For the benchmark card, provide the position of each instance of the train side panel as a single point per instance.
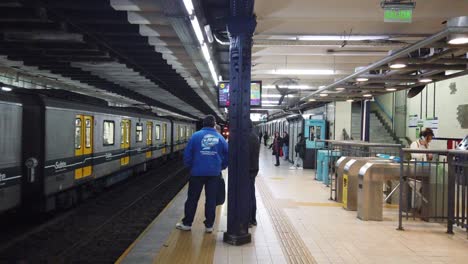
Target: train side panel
(10, 154)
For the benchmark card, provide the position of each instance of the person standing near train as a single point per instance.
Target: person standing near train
(206, 155)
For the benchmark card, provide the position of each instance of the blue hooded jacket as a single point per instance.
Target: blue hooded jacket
(206, 153)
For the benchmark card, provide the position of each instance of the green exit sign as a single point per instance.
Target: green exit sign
(398, 15)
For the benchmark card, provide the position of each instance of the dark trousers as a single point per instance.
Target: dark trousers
(253, 200)
(196, 184)
(265, 142)
(277, 157)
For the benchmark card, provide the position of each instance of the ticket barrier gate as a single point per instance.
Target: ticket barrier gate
(339, 169)
(323, 159)
(371, 178)
(426, 191)
(350, 180)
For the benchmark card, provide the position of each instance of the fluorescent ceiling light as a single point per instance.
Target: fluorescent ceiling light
(197, 29)
(362, 79)
(275, 95)
(425, 80)
(287, 86)
(341, 38)
(189, 6)
(206, 52)
(391, 89)
(350, 100)
(450, 72)
(397, 65)
(269, 102)
(340, 88)
(214, 75)
(302, 72)
(367, 95)
(312, 100)
(6, 89)
(323, 94)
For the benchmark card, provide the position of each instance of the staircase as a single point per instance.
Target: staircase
(380, 132)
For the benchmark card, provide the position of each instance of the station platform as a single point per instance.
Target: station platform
(297, 223)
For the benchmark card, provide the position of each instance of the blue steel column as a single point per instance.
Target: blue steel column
(241, 27)
(365, 121)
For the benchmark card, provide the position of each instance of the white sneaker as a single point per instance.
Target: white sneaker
(293, 168)
(209, 229)
(181, 226)
(300, 168)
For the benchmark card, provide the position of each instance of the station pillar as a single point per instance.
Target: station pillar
(365, 120)
(241, 27)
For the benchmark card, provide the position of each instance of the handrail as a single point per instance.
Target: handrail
(435, 151)
(380, 106)
(359, 143)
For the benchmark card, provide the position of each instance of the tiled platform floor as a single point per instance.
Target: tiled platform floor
(298, 224)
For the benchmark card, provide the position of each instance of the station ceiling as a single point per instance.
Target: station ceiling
(145, 52)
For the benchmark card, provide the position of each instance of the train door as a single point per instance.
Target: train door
(125, 141)
(83, 144)
(164, 138)
(149, 138)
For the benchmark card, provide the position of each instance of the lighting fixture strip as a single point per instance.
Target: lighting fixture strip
(201, 40)
(420, 44)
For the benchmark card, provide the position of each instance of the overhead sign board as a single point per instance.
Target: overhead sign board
(398, 15)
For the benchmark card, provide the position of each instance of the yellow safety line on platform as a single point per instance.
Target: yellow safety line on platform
(318, 204)
(196, 246)
(127, 251)
(293, 247)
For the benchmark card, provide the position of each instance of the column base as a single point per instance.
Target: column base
(237, 240)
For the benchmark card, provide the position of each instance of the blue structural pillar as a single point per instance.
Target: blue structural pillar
(365, 121)
(241, 27)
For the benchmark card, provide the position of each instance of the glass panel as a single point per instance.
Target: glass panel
(139, 133)
(149, 136)
(88, 133)
(158, 132)
(78, 133)
(122, 132)
(127, 135)
(108, 133)
(164, 132)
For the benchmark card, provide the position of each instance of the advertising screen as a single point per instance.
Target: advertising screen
(255, 94)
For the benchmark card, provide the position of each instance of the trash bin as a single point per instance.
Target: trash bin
(350, 180)
(371, 178)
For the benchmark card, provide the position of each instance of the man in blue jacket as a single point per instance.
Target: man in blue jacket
(206, 155)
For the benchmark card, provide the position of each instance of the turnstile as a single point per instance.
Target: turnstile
(323, 161)
(350, 180)
(339, 169)
(371, 178)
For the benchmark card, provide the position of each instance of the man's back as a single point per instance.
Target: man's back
(206, 153)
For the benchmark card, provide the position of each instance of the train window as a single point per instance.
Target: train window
(88, 133)
(158, 132)
(122, 132)
(78, 133)
(139, 132)
(187, 133)
(108, 133)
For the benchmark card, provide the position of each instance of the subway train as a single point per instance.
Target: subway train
(293, 124)
(56, 146)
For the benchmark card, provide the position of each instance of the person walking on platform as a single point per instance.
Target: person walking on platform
(276, 145)
(300, 152)
(206, 155)
(286, 145)
(254, 152)
(265, 138)
(260, 136)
